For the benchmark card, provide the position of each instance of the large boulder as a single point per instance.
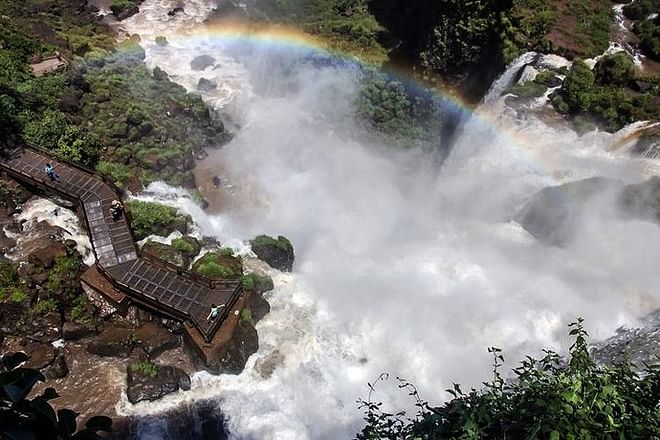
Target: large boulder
(155, 339)
(147, 381)
(278, 253)
(72, 331)
(231, 358)
(206, 85)
(553, 213)
(39, 355)
(58, 368)
(201, 62)
(642, 200)
(112, 342)
(166, 252)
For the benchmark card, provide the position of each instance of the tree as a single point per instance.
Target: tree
(548, 399)
(78, 146)
(578, 86)
(23, 418)
(614, 69)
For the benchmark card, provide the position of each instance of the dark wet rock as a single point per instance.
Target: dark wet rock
(39, 355)
(267, 365)
(232, 357)
(46, 329)
(172, 12)
(201, 62)
(6, 243)
(143, 386)
(640, 345)
(258, 305)
(552, 214)
(154, 339)
(112, 342)
(165, 252)
(642, 200)
(58, 369)
(124, 13)
(216, 181)
(173, 326)
(161, 41)
(159, 74)
(206, 85)
(278, 253)
(72, 331)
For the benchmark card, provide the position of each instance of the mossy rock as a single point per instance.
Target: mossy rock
(278, 253)
(166, 253)
(188, 246)
(149, 218)
(257, 283)
(217, 266)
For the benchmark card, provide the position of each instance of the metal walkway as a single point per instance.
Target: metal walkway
(155, 284)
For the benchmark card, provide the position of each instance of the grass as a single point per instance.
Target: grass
(246, 316)
(149, 218)
(217, 265)
(145, 368)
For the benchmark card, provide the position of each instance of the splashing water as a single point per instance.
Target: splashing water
(402, 266)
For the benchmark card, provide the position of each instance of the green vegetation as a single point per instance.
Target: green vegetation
(11, 287)
(188, 246)
(346, 26)
(529, 89)
(146, 368)
(119, 6)
(45, 306)
(266, 240)
(108, 109)
(549, 399)
(601, 98)
(648, 32)
(218, 266)
(246, 316)
(641, 9)
(35, 418)
(148, 218)
(258, 283)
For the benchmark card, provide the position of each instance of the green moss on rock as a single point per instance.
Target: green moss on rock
(216, 266)
(149, 218)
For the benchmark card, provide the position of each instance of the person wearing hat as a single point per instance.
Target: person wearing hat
(116, 209)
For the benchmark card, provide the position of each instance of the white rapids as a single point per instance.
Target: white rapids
(401, 266)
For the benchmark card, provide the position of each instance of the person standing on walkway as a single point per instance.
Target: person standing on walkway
(116, 209)
(50, 172)
(215, 311)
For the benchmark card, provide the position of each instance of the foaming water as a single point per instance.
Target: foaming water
(401, 266)
(37, 210)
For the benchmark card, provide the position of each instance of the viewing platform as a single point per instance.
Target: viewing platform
(156, 285)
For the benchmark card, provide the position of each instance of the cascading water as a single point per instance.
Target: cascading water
(401, 267)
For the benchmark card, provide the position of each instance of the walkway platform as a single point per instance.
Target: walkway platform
(165, 288)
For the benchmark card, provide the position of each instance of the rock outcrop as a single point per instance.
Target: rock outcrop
(278, 253)
(201, 62)
(151, 382)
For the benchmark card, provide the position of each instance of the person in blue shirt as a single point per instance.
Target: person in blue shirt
(50, 172)
(215, 311)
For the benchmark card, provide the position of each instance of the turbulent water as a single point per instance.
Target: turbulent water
(402, 266)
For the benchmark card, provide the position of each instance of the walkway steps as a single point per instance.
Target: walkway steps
(167, 289)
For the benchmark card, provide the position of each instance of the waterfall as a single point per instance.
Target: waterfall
(402, 266)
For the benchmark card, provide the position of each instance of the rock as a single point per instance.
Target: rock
(161, 41)
(72, 331)
(216, 181)
(231, 358)
(277, 253)
(640, 86)
(159, 74)
(142, 386)
(112, 342)
(46, 329)
(258, 305)
(126, 12)
(166, 252)
(201, 62)
(58, 369)
(172, 12)
(206, 85)
(642, 200)
(267, 365)
(551, 215)
(155, 339)
(39, 355)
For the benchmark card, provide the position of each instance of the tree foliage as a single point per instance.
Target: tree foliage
(547, 399)
(34, 418)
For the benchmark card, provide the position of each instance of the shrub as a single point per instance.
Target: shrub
(246, 316)
(78, 146)
(45, 130)
(215, 265)
(529, 89)
(266, 240)
(149, 218)
(145, 368)
(578, 86)
(10, 282)
(641, 9)
(118, 172)
(615, 69)
(649, 36)
(187, 245)
(258, 283)
(226, 252)
(44, 306)
(548, 399)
